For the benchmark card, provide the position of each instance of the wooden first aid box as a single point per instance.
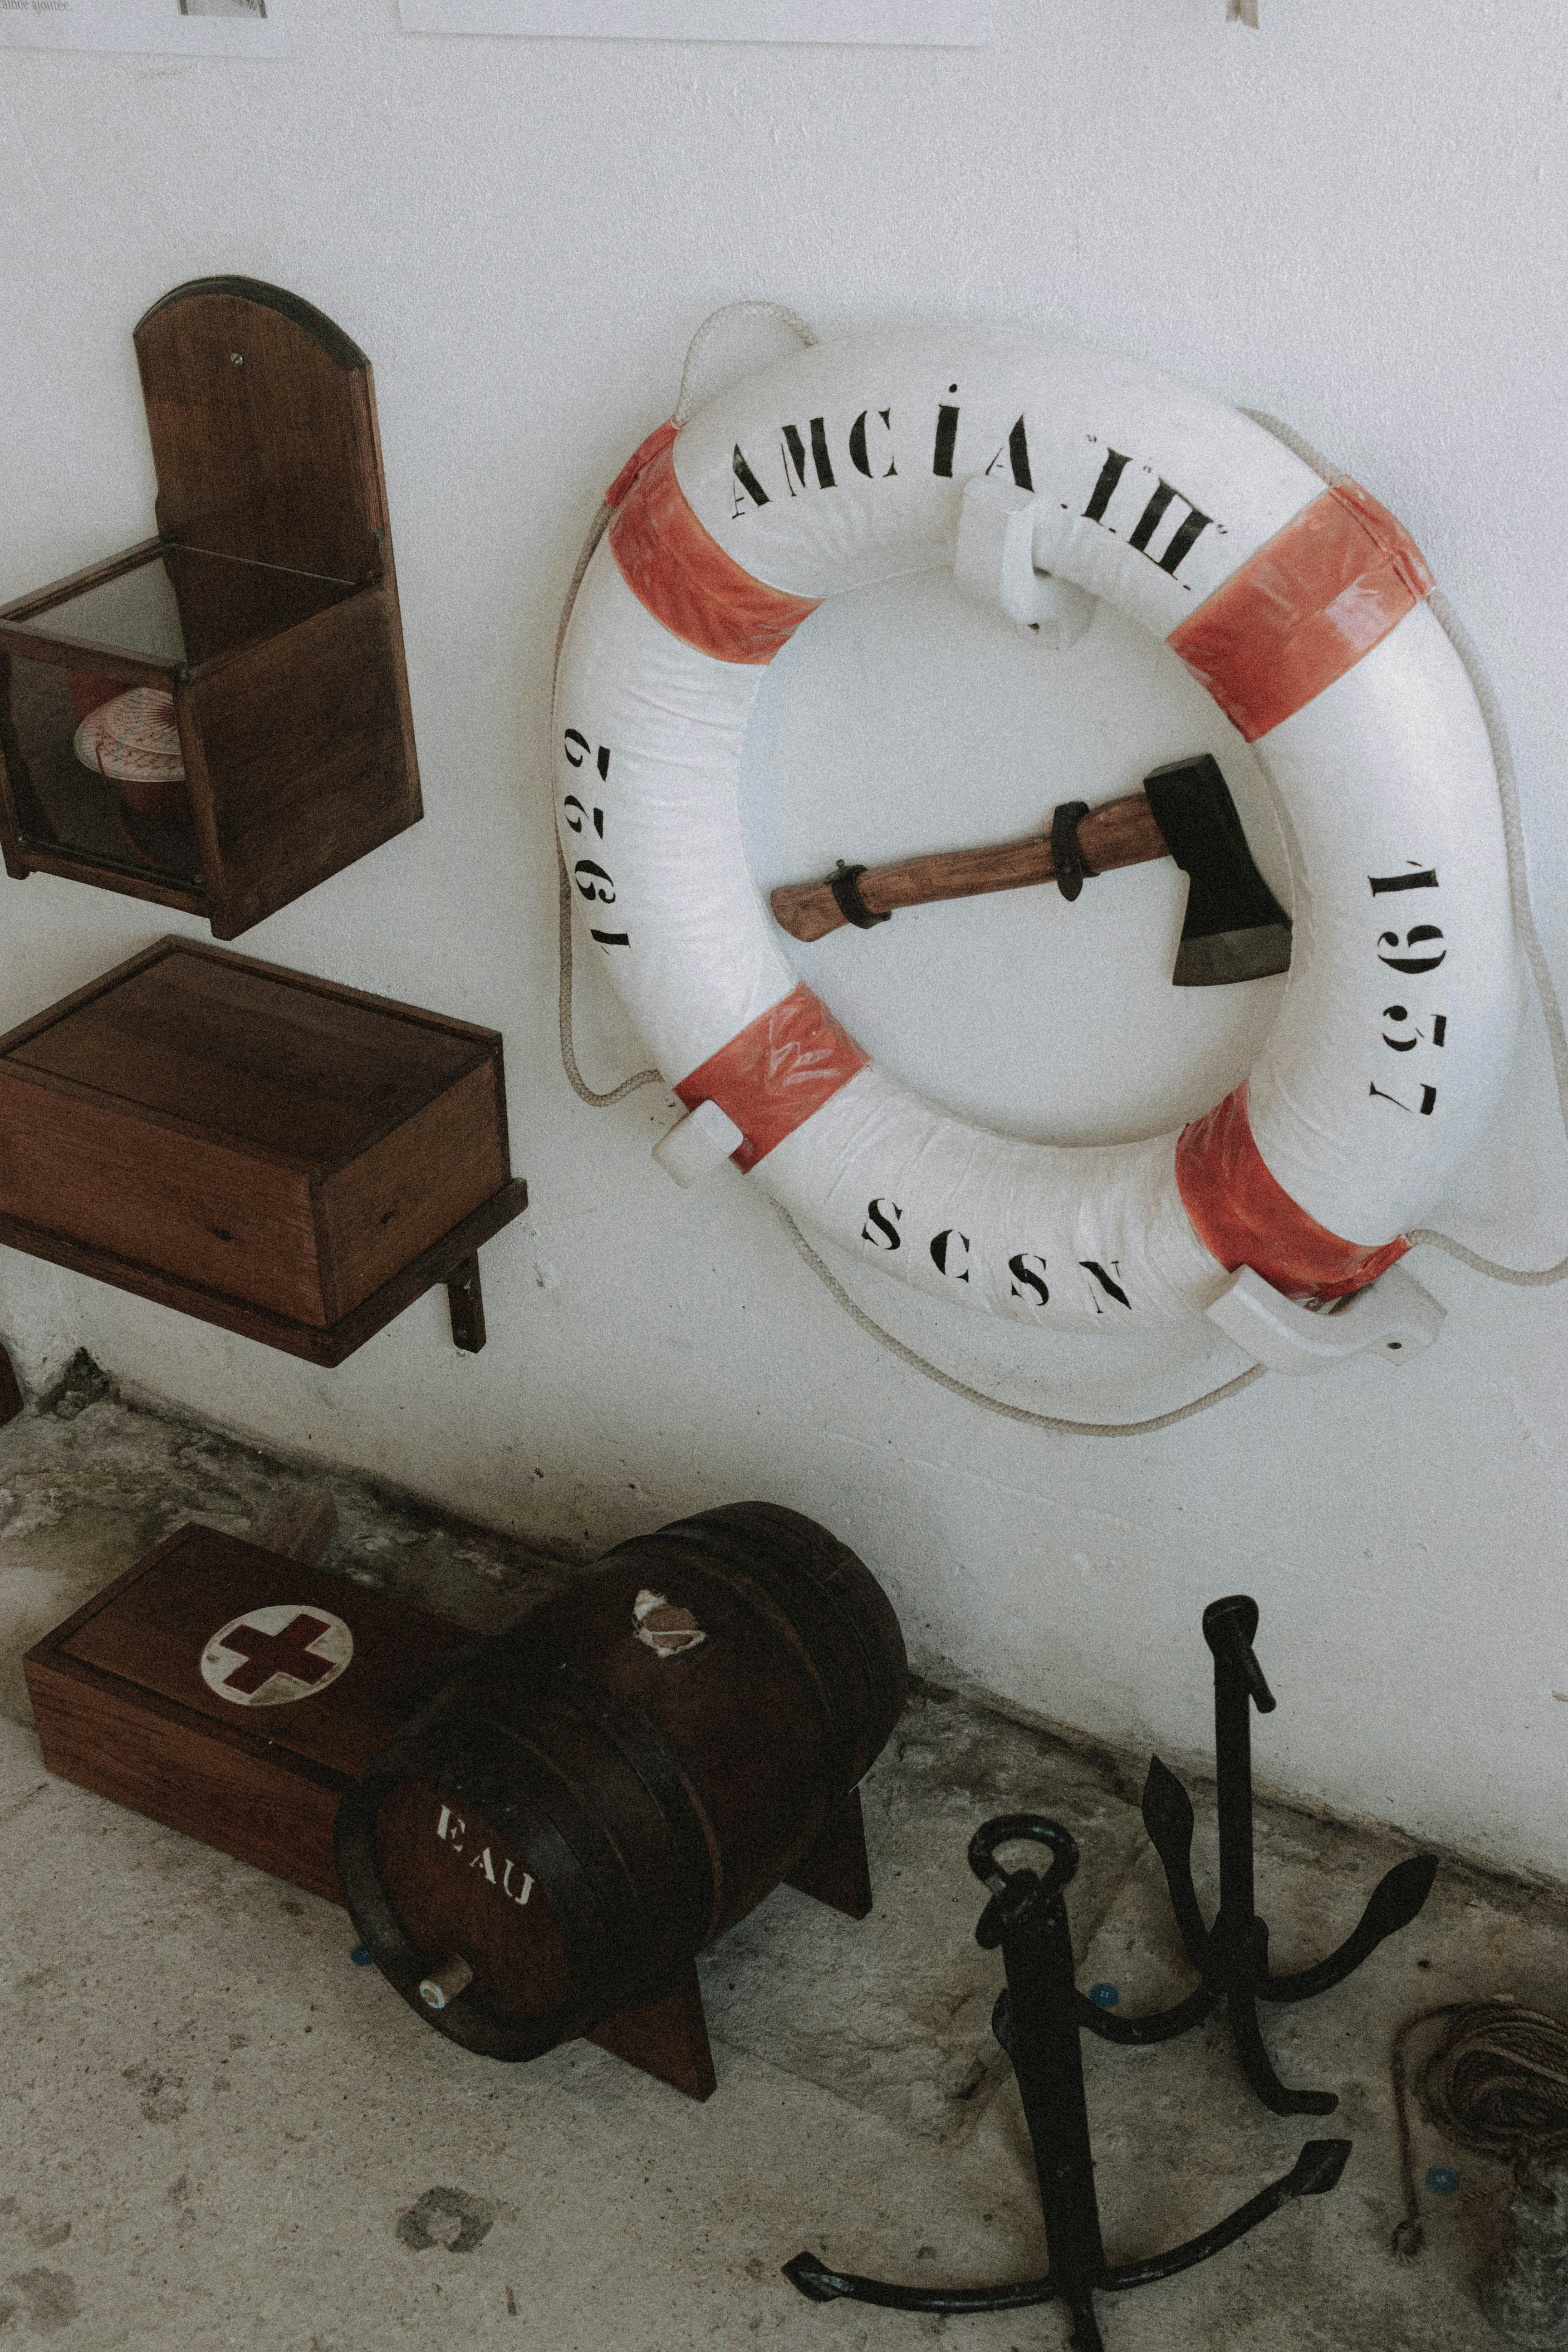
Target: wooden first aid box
(233, 1694)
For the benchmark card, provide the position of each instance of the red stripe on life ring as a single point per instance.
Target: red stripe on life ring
(659, 439)
(776, 1072)
(1243, 1215)
(679, 571)
(1304, 609)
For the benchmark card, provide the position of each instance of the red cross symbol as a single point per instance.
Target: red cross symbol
(267, 1654)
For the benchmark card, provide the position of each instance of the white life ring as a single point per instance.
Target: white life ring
(1300, 608)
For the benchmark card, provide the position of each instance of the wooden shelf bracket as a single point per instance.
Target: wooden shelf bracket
(465, 1299)
(11, 1389)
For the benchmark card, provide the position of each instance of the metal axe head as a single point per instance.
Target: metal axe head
(1234, 928)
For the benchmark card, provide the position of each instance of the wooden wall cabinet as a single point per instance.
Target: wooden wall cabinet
(292, 1159)
(266, 608)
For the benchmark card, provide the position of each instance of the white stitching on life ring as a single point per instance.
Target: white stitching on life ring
(1300, 608)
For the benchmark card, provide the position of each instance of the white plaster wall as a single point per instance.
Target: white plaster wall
(1353, 219)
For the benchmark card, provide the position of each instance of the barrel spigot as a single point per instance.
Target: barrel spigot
(446, 1981)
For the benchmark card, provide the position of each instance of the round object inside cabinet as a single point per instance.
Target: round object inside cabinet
(134, 741)
(596, 1794)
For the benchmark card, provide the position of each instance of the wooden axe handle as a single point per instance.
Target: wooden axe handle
(1120, 833)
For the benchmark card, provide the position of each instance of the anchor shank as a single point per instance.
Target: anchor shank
(1043, 2039)
(1228, 1628)
(1233, 1756)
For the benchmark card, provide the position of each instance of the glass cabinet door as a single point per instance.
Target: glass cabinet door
(95, 769)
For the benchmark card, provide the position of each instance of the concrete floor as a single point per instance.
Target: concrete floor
(216, 2131)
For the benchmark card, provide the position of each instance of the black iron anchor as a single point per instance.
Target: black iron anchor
(1027, 1916)
(1232, 1955)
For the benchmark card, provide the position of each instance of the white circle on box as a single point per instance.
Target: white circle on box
(271, 1657)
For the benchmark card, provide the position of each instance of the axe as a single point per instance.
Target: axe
(1234, 928)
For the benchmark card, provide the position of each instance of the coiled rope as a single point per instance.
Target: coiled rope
(1519, 882)
(1497, 2081)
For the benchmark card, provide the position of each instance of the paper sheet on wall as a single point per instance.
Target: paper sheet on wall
(246, 29)
(948, 24)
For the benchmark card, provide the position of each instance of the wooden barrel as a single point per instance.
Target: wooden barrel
(598, 1793)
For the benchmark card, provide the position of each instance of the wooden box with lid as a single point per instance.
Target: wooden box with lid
(217, 719)
(292, 1159)
(131, 1700)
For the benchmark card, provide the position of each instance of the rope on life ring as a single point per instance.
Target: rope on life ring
(1518, 882)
